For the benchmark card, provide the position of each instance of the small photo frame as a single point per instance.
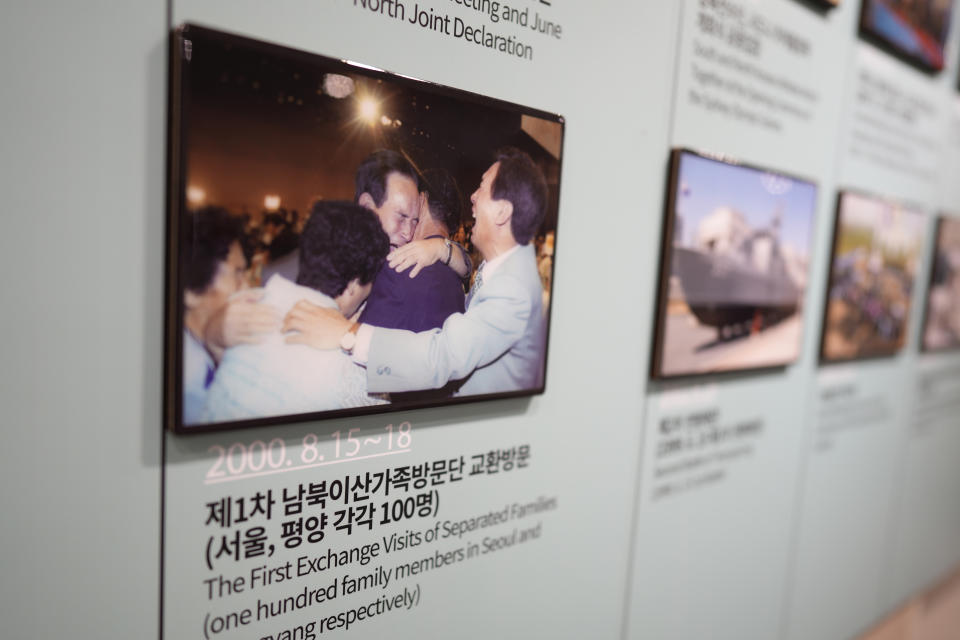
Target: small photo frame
(877, 246)
(734, 267)
(941, 326)
(914, 30)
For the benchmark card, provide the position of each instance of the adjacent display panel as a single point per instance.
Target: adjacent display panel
(941, 327)
(264, 141)
(734, 267)
(877, 247)
(913, 29)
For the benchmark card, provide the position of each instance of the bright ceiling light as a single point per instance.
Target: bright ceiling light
(368, 110)
(196, 195)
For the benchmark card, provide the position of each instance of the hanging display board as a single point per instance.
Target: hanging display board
(757, 82)
(423, 521)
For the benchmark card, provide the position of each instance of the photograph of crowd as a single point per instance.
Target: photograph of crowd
(916, 29)
(734, 270)
(941, 330)
(344, 240)
(873, 269)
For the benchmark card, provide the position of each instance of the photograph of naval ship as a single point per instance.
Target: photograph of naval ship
(876, 250)
(734, 270)
(941, 327)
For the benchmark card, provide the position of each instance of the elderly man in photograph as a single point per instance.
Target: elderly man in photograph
(387, 183)
(497, 345)
(342, 248)
(398, 301)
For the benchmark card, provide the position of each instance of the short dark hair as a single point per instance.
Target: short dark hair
(273, 218)
(444, 199)
(341, 241)
(372, 174)
(283, 243)
(206, 236)
(520, 181)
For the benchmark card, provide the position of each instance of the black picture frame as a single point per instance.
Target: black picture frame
(876, 36)
(477, 117)
(832, 274)
(821, 6)
(936, 273)
(658, 365)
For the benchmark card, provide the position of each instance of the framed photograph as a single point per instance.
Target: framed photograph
(915, 30)
(734, 267)
(877, 244)
(310, 196)
(941, 326)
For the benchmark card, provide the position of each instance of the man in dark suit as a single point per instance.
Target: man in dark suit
(399, 301)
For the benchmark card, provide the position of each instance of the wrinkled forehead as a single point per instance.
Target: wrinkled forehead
(400, 185)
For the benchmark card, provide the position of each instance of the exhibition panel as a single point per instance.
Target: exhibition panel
(473, 319)
(721, 468)
(890, 150)
(507, 517)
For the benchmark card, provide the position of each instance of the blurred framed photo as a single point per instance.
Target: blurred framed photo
(292, 177)
(734, 267)
(877, 245)
(941, 326)
(915, 30)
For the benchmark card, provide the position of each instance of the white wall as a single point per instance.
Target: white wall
(778, 549)
(83, 164)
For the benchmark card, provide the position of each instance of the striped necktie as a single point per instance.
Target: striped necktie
(477, 282)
